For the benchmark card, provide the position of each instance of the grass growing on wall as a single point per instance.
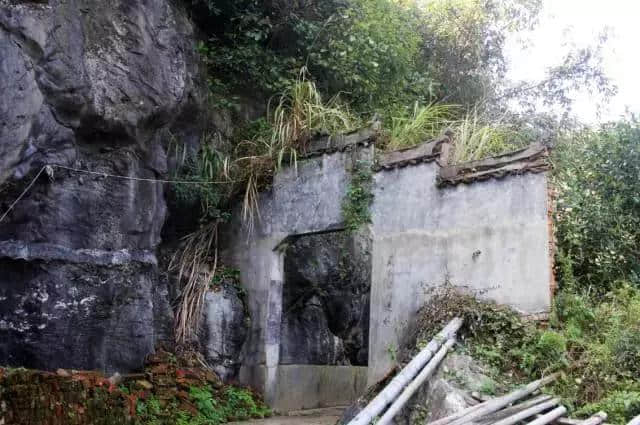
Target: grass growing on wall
(299, 114)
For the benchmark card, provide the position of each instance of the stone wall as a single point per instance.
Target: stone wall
(429, 226)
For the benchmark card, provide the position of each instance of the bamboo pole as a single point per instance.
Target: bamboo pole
(468, 410)
(457, 415)
(428, 370)
(496, 404)
(635, 421)
(549, 417)
(391, 391)
(526, 413)
(596, 419)
(516, 408)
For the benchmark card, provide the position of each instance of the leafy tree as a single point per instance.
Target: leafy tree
(598, 177)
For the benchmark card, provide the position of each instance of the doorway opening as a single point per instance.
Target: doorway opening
(325, 300)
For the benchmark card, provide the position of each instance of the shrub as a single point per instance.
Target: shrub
(619, 405)
(549, 353)
(626, 350)
(598, 214)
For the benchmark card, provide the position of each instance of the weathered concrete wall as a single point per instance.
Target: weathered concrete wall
(302, 200)
(313, 386)
(490, 237)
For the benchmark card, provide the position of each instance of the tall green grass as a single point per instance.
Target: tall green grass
(475, 136)
(425, 123)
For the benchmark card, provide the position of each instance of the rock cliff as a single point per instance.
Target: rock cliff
(89, 86)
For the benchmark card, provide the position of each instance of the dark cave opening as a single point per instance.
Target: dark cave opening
(325, 301)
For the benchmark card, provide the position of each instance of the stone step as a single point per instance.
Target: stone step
(291, 420)
(321, 416)
(323, 411)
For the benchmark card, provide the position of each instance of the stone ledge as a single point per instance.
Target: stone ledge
(425, 152)
(533, 159)
(19, 250)
(341, 142)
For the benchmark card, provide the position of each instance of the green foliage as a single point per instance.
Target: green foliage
(209, 170)
(301, 113)
(619, 405)
(370, 51)
(382, 55)
(548, 353)
(214, 407)
(463, 44)
(598, 214)
(475, 138)
(359, 196)
(593, 341)
(425, 123)
(474, 135)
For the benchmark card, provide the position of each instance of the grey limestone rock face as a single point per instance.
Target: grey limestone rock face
(326, 301)
(95, 86)
(224, 330)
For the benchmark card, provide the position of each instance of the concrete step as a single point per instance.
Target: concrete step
(323, 416)
(324, 411)
(292, 420)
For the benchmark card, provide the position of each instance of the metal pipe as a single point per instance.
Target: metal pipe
(516, 408)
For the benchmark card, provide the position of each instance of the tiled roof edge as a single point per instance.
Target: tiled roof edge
(341, 142)
(425, 152)
(533, 159)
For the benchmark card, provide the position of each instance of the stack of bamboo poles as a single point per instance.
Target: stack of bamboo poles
(514, 408)
(522, 406)
(409, 379)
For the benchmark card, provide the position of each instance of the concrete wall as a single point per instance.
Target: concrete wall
(490, 236)
(302, 200)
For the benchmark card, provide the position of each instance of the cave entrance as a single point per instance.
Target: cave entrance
(325, 300)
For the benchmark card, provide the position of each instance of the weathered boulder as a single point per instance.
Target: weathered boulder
(224, 329)
(96, 87)
(447, 392)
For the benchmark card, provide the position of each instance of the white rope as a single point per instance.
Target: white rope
(98, 173)
(24, 192)
(141, 179)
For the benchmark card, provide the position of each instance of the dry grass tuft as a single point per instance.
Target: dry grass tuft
(192, 265)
